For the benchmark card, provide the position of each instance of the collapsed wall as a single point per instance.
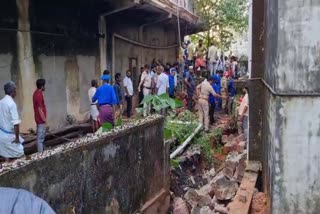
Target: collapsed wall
(124, 171)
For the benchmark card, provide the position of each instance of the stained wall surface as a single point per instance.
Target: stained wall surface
(64, 49)
(100, 174)
(291, 116)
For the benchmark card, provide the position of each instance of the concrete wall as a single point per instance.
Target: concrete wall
(96, 174)
(67, 58)
(291, 121)
(155, 35)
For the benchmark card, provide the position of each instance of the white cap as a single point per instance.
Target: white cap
(191, 67)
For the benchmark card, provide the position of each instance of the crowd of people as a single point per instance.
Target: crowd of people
(215, 92)
(202, 59)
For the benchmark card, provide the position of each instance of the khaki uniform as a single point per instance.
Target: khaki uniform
(243, 126)
(224, 91)
(146, 82)
(205, 90)
(190, 52)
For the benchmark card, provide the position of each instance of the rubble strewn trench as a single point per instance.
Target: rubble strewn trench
(202, 185)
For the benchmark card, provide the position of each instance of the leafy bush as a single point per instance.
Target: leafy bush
(160, 102)
(181, 126)
(204, 140)
(108, 126)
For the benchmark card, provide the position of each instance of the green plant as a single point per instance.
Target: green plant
(219, 148)
(181, 126)
(216, 134)
(175, 163)
(178, 130)
(160, 102)
(204, 140)
(108, 126)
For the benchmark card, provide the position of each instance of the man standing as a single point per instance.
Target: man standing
(141, 89)
(162, 85)
(212, 103)
(200, 53)
(244, 114)
(40, 113)
(190, 84)
(190, 49)
(232, 92)
(181, 58)
(128, 91)
(162, 82)
(106, 98)
(146, 84)
(203, 91)
(212, 57)
(10, 140)
(172, 82)
(94, 113)
(119, 96)
(224, 90)
(234, 67)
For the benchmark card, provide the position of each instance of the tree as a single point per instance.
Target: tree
(221, 19)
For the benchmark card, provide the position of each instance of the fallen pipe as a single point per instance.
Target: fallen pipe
(185, 143)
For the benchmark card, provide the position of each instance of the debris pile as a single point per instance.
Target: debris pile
(220, 190)
(233, 143)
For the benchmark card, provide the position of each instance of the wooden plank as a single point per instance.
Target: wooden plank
(86, 127)
(242, 201)
(31, 148)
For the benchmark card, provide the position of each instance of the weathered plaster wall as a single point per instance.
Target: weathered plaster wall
(157, 35)
(292, 122)
(67, 58)
(122, 169)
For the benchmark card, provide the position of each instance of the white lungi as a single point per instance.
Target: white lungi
(94, 112)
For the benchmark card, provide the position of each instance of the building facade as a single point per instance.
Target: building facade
(69, 43)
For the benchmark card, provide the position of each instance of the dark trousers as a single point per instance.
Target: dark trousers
(140, 97)
(129, 105)
(190, 102)
(211, 112)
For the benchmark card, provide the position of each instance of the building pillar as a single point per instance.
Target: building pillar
(291, 130)
(27, 76)
(103, 44)
(255, 87)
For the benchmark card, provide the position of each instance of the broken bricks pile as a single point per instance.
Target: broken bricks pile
(233, 143)
(218, 193)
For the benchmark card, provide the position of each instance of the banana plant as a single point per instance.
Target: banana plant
(160, 102)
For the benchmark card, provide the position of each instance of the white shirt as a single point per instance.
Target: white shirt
(127, 82)
(162, 83)
(244, 103)
(8, 114)
(212, 53)
(146, 79)
(91, 93)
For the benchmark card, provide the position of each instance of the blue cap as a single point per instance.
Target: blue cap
(172, 70)
(105, 77)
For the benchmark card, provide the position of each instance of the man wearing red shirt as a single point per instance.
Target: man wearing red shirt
(40, 113)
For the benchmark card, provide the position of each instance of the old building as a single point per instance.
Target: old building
(71, 42)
